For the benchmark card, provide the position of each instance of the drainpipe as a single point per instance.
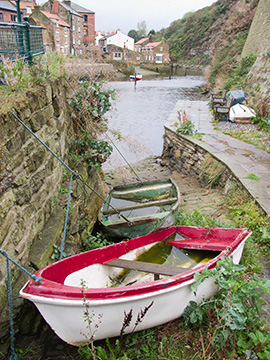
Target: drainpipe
(20, 32)
(71, 33)
(19, 19)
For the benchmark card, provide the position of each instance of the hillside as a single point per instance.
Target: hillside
(214, 36)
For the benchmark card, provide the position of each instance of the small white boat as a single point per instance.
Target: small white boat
(137, 76)
(241, 113)
(156, 288)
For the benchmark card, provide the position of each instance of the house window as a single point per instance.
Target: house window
(85, 32)
(73, 28)
(1, 16)
(28, 10)
(85, 18)
(159, 58)
(65, 29)
(79, 42)
(74, 41)
(79, 29)
(117, 55)
(66, 39)
(66, 49)
(13, 18)
(57, 36)
(58, 47)
(161, 48)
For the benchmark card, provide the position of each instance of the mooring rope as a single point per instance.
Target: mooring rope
(137, 176)
(14, 356)
(75, 174)
(78, 177)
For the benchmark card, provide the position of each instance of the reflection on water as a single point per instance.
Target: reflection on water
(139, 114)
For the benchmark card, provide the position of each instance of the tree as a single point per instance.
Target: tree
(133, 34)
(152, 32)
(142, 29)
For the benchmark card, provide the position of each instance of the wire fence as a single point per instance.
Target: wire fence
(21, 41)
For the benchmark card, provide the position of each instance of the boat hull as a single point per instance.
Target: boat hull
(138, 77)
(66, 303)
(139, 225)
(241, 113)
(67, 318)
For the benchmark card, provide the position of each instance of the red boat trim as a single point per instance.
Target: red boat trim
(53, 276)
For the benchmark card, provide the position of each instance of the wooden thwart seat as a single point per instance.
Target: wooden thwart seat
(142, 205)
(157, 269)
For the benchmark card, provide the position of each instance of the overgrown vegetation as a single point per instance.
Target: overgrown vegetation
(89, 105)
(211, 171)
(187, 127)
(20, 79)
(228, 325)
(191, 31)
(233, 318)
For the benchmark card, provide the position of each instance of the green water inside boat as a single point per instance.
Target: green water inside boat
(163, 253)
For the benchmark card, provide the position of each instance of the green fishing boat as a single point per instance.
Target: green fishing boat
(138, 209)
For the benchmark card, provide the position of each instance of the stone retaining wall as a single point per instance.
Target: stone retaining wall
(32, 207)
(187, 157)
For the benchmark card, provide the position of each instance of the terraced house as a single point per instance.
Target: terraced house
(81, 23)
(8, 11)
(156, 52)
(55, 31)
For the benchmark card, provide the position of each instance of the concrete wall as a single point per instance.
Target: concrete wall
(32, 207)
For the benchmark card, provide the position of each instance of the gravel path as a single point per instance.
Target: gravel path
(251, 132)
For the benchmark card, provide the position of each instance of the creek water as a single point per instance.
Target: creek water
(140, 112)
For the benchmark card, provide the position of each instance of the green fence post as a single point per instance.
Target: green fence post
(27, 40)
(20, 32)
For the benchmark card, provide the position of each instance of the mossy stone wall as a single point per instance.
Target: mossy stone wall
(259, 34)
(187, 157)
(32, 208)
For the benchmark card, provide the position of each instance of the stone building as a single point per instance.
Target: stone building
(26, 7)
(88, 23)
(118, 39)
(156, 52)
(140, 43)
(75, 21)
(55, 31)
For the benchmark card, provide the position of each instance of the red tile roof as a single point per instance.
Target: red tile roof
(55, 17)
(23, 4)
(152, 44)
(140, 41)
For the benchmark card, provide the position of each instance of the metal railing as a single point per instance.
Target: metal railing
(21, 41)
